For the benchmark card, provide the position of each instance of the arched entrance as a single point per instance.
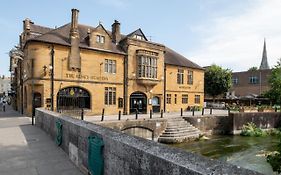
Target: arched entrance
(155, 104)
(138, 101)
(73, 98)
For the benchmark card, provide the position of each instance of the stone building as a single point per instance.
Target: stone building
(78, 66)
(5, 85)
(251, 83)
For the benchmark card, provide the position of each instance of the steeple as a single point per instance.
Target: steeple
(264, 63)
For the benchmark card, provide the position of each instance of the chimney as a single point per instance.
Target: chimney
(74, 23)
(116, 35)
(26, 25)
(74, 56)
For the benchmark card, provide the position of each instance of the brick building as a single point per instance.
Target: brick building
(80, 66)
(251, 83)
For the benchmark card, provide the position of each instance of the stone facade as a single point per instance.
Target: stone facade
(106, 69)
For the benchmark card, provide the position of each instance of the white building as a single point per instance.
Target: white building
(5, 85)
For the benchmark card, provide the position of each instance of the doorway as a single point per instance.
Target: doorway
(138, 102)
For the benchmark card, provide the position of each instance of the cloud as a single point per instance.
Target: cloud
(236, 41)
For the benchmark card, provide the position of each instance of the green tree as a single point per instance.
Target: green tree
(253, 68)
(217, 80)
(274, 93)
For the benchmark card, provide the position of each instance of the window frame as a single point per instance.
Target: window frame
(197, 99)
(184, 99)
(110, 96)
(180, 76)
(168, 98)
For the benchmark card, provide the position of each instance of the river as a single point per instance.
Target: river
(247, 152)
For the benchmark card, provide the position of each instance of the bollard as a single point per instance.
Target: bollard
(137, 113)
(193, 110)
(119, 115)
(4, 108)
(228, 111)
(150, 113)
(181, 112)
(211, 111)
(161, 113)
(102, 115)
(82, 114)
(202, 111)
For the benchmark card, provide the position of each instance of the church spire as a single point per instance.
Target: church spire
(264, 63)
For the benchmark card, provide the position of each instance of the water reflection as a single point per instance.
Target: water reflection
(247, 152)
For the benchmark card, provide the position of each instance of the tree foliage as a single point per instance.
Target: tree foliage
(274, 93)
(253, 68)
(217, 80)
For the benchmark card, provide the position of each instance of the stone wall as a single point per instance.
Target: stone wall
(155, 126)
(263, 120)
(233, 123)
(212, 124)
(124, 154)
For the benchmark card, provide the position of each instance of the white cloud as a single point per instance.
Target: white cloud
(236, 42)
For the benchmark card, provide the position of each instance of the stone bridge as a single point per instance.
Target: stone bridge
(149, 129)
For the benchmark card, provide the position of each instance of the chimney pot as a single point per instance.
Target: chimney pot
(116, 34)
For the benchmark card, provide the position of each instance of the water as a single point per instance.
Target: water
(247, 152)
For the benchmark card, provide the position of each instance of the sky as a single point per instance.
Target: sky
(223, 32)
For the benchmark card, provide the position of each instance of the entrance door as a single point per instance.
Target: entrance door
(156, 104)
(138, 101)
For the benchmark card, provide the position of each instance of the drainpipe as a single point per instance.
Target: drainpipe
(52, 78)
(165, 87)
(125, 85)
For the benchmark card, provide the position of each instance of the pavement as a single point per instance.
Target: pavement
(97, 118)
(27, 150)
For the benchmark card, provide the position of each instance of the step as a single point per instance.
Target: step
(177, 125)
(181, 132)
(177, 139)
(179, 129)
(186, 134)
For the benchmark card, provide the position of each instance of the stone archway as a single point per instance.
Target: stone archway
(138, 102)
(73, 98)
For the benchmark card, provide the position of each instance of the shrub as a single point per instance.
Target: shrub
(250, 129)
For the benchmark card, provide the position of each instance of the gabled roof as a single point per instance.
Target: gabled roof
(174, 58)
(137, 32)
(39, 29)
(61, 36)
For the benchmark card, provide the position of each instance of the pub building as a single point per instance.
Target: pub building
(78, 66)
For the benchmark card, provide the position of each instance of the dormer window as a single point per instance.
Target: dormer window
(139, 37)
(100, 39)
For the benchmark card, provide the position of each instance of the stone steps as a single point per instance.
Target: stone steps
(178, 130)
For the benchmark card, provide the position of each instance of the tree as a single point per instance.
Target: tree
(253, 68)
(217, 80)
(274, 93)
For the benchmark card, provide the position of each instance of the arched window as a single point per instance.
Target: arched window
(73, 98)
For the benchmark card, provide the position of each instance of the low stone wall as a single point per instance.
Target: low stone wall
(233, 123)
(212, 124)
(126, 155)
(263, 120)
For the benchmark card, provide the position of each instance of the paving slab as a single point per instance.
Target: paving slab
(27, 150)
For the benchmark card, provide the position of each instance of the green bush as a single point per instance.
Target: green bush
(250, 129)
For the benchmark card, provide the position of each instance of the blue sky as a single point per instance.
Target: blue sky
(224, 32)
